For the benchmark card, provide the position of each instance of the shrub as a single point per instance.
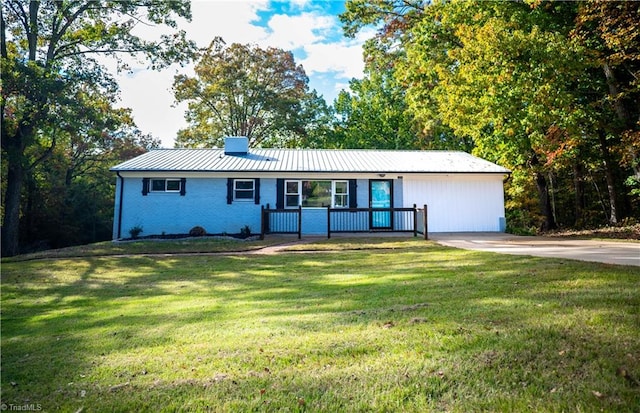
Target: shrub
(197, 231)
(245, 231)
(135, 231)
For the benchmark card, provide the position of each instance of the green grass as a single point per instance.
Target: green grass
(153, 246)
(403, 326)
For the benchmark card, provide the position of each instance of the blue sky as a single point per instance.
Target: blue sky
(309, 28)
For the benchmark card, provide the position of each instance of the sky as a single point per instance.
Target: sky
(309, 28)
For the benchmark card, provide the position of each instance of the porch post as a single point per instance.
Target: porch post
(328, 222)
(426, 225)
(299, 222)
(262, 225)
(415, 220)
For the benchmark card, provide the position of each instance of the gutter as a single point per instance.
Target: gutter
(303, 171)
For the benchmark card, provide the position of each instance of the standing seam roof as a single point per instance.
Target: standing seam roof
(309, 160)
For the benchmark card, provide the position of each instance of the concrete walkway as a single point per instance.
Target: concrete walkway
(610, 252)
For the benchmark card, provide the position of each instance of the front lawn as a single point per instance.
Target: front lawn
(403, 326)
(153, 246)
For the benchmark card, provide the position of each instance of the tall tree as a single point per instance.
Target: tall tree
(242, 90)
(611, 30)
(47, 47)
(498, 83)
(373, 115)
(69, 198)
(542, 87)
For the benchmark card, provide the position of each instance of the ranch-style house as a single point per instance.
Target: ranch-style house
(307, 191)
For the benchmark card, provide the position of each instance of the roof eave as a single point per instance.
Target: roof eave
(298, 171)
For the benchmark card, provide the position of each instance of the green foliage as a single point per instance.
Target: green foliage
(57, 99)
(135, 231)
(245, 231)
(372, 115)
(242, 90)
(519, 223)
(547, 89)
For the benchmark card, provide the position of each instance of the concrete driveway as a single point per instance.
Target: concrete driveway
(610, 252)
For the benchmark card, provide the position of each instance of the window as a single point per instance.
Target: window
(243, 189)
(165, 185)
(340, 194)
(316, 194)
(292, 194)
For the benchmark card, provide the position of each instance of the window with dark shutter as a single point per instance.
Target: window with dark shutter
(280, 194)
(353, 195)
(229, 190)
(145, 186)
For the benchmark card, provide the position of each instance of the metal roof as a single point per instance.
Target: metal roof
(309, 160)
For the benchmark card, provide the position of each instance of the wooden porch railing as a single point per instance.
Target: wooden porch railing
(281, 221)
(348, 220)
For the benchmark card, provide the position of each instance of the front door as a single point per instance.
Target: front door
(381, 192)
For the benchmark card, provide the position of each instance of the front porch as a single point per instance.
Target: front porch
(328, 221)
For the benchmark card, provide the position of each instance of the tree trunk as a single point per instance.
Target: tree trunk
(544, 199)
(578, 186)
(616, 98)
(610, 177)
(11, 223)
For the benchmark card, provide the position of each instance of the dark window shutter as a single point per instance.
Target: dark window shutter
(229, 190)
(183, 186)
(256, 190)
(145, 186)
(280, 194)
(353, 193)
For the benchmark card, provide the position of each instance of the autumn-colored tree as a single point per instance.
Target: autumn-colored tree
(543, 88)
(611, 31)
(242, 90)
(498, 83)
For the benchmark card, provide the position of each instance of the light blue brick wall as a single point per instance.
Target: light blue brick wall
(314, 221)
(363, 193)
(204, 204)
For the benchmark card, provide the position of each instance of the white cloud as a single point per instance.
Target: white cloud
(231, 20)
(342, 58)
(316, 39)
(149, 95)
(292, 32)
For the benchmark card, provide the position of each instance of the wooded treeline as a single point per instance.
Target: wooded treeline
(547, 89)
(60, 130)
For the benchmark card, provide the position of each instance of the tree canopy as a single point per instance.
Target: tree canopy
(548, 89)
(54, 88)
(243, 90)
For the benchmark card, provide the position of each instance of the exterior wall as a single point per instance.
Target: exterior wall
(314, 221)
(363, 193)
(204, 204)
(459, 203)
(116, 209)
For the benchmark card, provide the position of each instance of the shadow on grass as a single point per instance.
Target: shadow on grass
(472, 329)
